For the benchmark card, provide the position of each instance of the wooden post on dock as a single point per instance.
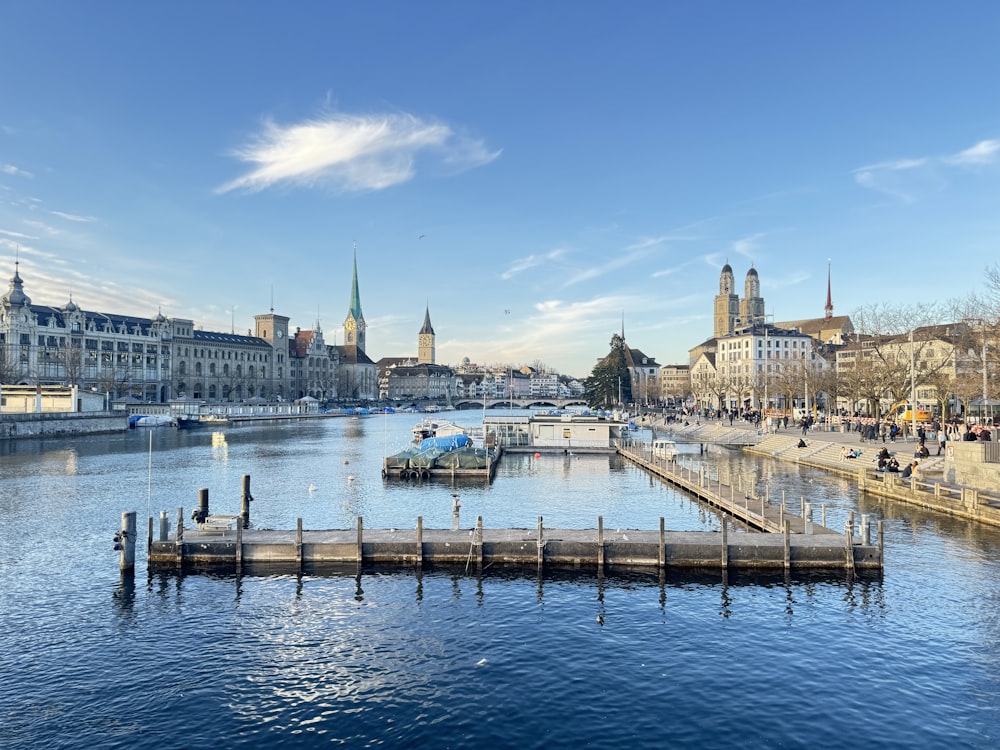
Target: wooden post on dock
(420, 541)
(725, 543)
(239, 547)
(865, 532)
(849, 536)
(600, 544)
(787, 528)
(298, 544)
(360, 536)
(149, 534)
(245, 499)
(881, 546)
(179, 537)
(479, 542)
(541, 545)
(663, 546)
(822, 515)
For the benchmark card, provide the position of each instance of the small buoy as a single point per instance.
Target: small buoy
(538, 455)
(481, 662)
(350, 477)
(312, 487)
(346, 462)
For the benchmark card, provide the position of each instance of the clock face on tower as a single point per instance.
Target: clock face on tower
(279, 334)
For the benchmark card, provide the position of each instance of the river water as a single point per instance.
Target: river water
(445, 659)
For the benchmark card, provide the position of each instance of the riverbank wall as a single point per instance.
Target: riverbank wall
(18, 426)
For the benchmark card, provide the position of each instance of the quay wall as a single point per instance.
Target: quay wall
(49, 424)
(967, 464)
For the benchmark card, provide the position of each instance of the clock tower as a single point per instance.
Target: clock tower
(272, 328)
(425, 341)
(354, 325)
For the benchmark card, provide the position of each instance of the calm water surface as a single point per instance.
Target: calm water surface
(89, 658)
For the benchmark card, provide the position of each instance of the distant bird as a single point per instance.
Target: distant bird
(421, 236)
(506, 312)
(350, 477)
(600, 620)
(312, 488)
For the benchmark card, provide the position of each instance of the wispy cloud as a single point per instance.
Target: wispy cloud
(883, 177)
(984, 152)
(19, 235)
(593, 272)
(16, 171)
(72, 217)
(352, 153)
(746, 246)
(907, 179)
(520, 265)
(34, 223)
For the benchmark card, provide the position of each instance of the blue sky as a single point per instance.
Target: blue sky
(532, 171)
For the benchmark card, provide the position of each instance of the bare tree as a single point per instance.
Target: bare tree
(70, 357)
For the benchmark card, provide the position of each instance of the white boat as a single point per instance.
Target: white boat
(664, 449)
(436, 428)
(155, 421)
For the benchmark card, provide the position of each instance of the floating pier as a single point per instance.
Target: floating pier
(214, 545)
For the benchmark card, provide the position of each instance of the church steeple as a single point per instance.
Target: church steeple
(829, 297)
(425, 340)
(354, 325)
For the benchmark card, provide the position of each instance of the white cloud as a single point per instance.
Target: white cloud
(72, 217)
(351, 152)
(983, 152)
(19, 235)
(528, 262)
(42, 225)
(908, 179)
(746, 246)
(12, 170)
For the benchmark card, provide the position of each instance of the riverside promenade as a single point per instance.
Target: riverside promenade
(824, 450)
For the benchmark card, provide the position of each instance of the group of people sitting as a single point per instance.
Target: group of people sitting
(846, 453)
(887, 462)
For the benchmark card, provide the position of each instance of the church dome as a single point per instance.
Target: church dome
(727, 268)
(70, 307)
(752, 272)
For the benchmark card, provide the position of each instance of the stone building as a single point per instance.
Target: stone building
(156, 359)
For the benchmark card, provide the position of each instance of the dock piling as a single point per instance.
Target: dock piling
(420, 541)
(125, 541)
(201, 513)
(725, 542)
(298, 543)
(600, 544)
(865, 533)
(164, 526)
(245, 499)
(360, 537)
(541, 545)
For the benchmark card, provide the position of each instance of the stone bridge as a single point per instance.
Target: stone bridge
(535, 402)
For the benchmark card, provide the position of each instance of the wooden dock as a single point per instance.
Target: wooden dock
(741, 502)
(210, 545)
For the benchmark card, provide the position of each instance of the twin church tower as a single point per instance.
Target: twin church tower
(731, 312)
